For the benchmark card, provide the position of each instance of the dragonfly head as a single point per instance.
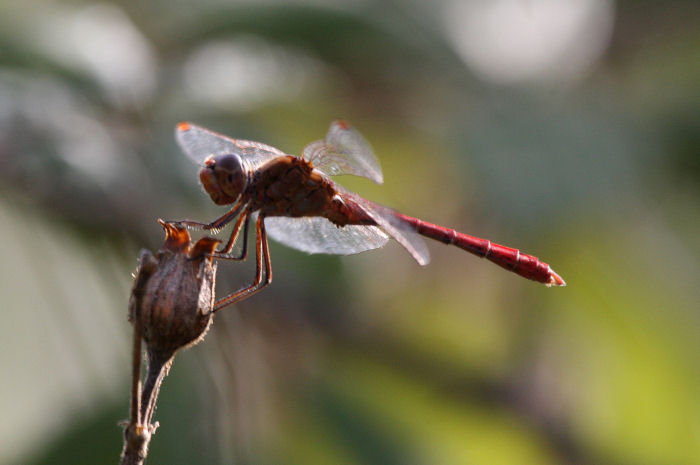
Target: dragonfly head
(224, 178)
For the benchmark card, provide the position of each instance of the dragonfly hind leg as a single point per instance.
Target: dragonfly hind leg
(263, 275)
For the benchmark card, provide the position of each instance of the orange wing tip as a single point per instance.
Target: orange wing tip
(555, 279)
(183, 126)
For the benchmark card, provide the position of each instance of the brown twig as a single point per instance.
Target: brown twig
(137, 435)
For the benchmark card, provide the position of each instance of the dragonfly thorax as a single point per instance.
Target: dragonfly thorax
(224, 178)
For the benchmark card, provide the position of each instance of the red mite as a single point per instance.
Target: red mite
(298, 204)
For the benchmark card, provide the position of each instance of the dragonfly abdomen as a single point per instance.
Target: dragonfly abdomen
(527, 266)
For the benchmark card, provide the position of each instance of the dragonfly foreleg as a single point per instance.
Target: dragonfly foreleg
(263, 275)
(215, 225)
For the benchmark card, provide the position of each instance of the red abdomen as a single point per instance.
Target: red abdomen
(527, 266)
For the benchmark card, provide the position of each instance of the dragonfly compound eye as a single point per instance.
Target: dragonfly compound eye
(230, 174)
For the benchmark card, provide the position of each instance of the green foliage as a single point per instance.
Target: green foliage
(366, 359)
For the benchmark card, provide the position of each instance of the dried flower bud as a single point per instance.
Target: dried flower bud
(173, 293)
(171, 307)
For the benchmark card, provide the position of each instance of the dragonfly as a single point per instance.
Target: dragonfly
(293, 200)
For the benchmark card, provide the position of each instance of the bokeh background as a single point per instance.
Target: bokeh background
(569, 129)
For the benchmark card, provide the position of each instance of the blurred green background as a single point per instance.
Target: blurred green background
(570, 130)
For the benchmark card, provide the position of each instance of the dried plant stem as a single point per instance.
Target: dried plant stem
(137, 434)
(156, 371)
(139, 430)
(135, 410)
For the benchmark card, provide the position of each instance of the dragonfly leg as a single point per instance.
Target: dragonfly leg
(263, 270)
(224, 253)
(215, 225)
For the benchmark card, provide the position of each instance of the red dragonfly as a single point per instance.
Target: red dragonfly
(298, 204)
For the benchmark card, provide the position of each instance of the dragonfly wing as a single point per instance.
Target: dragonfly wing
(344, 151)
(199, 144)
(318, 235)
(404, 233)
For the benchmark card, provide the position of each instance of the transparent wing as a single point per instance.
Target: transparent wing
(344, 151)
(199, 144)
(318, 235)
(387, 219)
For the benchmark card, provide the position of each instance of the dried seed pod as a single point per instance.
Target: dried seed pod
(171, 307)
(173, 293)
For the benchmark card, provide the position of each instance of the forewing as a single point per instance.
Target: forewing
(386, 218)
(199, 144)
(318, 235)
(344, 151)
